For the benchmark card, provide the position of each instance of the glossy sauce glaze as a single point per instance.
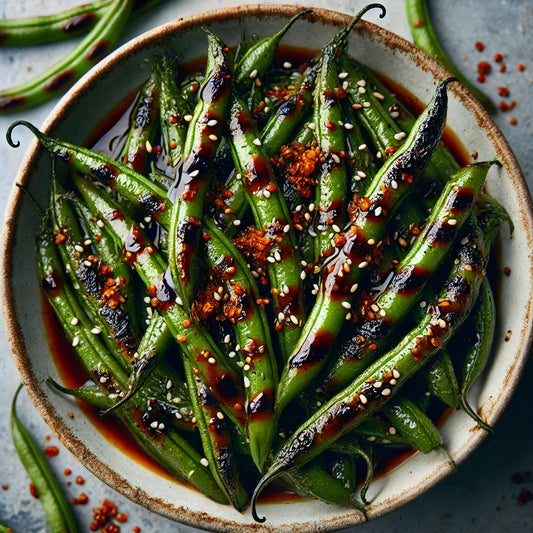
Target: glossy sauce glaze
(108, 138)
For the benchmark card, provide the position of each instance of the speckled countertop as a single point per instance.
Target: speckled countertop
(484, 493)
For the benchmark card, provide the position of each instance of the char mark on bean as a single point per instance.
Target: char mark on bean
(61, 81)
(79, 23)
(97, 50)
(151, 203)
(105, 173)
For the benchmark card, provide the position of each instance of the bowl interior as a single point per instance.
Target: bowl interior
(96, 95)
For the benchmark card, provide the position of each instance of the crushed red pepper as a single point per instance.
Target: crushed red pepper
(480, 46)
(51, 451)
(33, 491)
(254, 245)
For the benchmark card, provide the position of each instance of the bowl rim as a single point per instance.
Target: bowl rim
(14, 330)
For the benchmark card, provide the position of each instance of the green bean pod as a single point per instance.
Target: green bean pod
(134, 186)
(425, 38)
(342, 272)
(62, 75)
(441, 380)
(257, 60)
(91, 394)
(190, 187)
(58, 513)
(172, 109)
(252, 334)
(412, 423)
(143, 127)
(369, 391)
(272, 217)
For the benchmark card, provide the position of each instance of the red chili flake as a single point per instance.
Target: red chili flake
(136, 529)
(483, 67)
(503, 67)
(47, 438)
(80, 480)
(513, 121)
(122, 517)
(67, 472)
(507, 271)
(480, 46)
(474, 155)
(5, 487)
(33, 491)
(504, 91)
(507, 107)
(82, 500)
(481, 78)
(521, 67)
(173, 119)
(51, 451)
(498, 58)
(524, 497)
(330, 125)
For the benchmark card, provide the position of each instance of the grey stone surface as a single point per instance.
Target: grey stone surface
(481, 496)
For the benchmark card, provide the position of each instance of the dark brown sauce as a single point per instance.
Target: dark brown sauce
(108, 138)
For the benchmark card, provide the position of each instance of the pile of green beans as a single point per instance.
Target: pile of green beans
(258, 329)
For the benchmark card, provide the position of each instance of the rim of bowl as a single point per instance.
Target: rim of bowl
(14, 332)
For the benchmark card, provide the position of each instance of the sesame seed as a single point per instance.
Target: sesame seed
(345, 85)
(361, 174)
(377, 211)
(400, 135)
(266, 109)
(378, 95)
(386, 392)
(303, 275)
(348, 316)
(100, 223)
(281, 316)
(361, 83)
(253, 74)
(312, 232)
(246, 368)
(361, 90)
(348, 126)
(227, 339)
(217, 296)
(395, 373)
(363, 399)
(394, 184)
(178, 415)
(354, 287)
(346, 305)
(212, 122)
(149, 148)
(212, 361)
(392, 381)
(236, 222)
(96, 331)
(311, 125)
(161, 426)
(452, 221)
(392, 430)
(343, 75)
(204, 461)
(213, 137)
(362, 147)
(394, 114)
(75, 341)
(277, 257)
(179, 301)
(371, 438)
(232, 355)
(78, 248)
(336, 158)
(246, 382)
(335, 228)
(270, 259)
(442, 323)
(294, 319)
(74, 321)
(362, 264)
(266, 193)
(286, 228)
(287, 64)
(154, 424)
(257, 141)
(366, 104)
(382, 312)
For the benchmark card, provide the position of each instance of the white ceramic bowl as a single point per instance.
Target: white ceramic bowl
(77, 115)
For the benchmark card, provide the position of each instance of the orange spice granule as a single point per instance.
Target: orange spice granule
(254, 245)
(498, 58)
(299, 165)
(480, 46)
(513, 121)
(483, 67)
(521, 67)
(503, 67)
(205, 304)
(103, 518)
(51, 451)
(504, 92)
(280, 93)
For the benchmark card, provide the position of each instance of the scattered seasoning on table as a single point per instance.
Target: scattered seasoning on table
(504, 92)
(524, 497)
(480, 46)
(67, 471)
(5, 486)
(521, 67)
(82, 500)
(513, 121)
(507, 271)
(136, 529)
(498, 58)
(80, 480)
(503, 67)
(103, 518)
(474, 155)
(51, 451)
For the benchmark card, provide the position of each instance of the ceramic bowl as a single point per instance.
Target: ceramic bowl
(76, 116)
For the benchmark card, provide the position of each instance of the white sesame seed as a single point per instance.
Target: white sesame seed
(366, 104)
(266, 193)
(362, 264)
(346, 305)
(204, 461)
(232, 355)
(74, 321)
(187, 118)
(148, 219)
(392, 430)
(354, 287)
(452, 221)
(400, 135)
(396, 373)
(96, 331)
(335, 228)
(363, 399)
(253, 74)
(287, 64)
(246, 367)
(212, 361)
(257, 141)
(227, 339)
(382, 312)
(100, 223)
(303, 275)
(281, 317)
(343, 75)
(311, 125)
(361, 174)
(78, 248)
(378, 95)
(75, 341)
(392, 381)
(213, 137)
(394, 114)
(361, 83)
(154, 424)
(277, 257)
(161, 426)
(312, 232)
(236, 222)
(194, 173)
(377, 211)
(394, 184)
(179, 301)
(311, 207)
(270, 259)
(336, 158)
(246, 382)
(149, 148)
(348, 316)
(361, 90)
(362, 147)
(178, 415)
(217, 296)
(212, 122)
(386, 392)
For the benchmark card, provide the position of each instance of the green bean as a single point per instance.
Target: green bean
(441, 380)
(59, 77)
(58, 513)
(425, 38)
(412, 423)
(79, 20)
(92, 394)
